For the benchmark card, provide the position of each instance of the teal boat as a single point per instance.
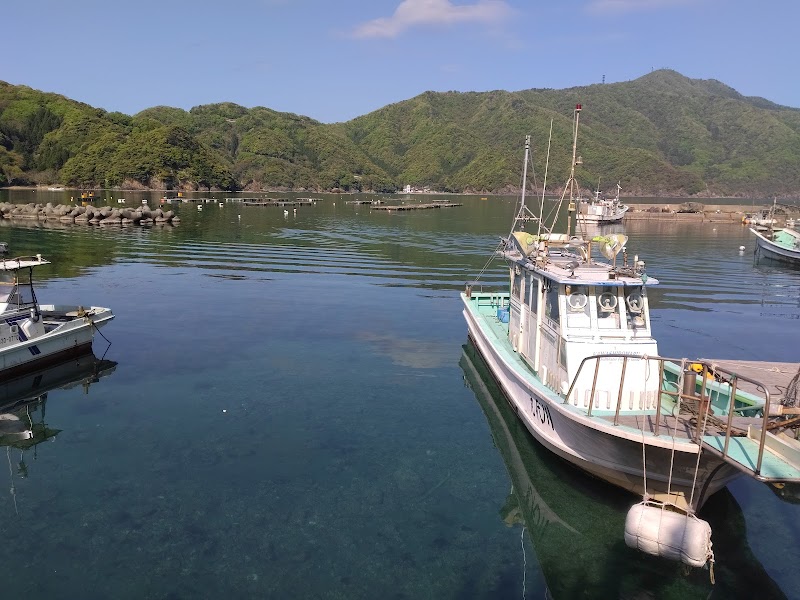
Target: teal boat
(781, 244)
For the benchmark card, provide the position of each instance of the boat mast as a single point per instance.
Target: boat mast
(575, 161)
(523, 214)
(525, 173)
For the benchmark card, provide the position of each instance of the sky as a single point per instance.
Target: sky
(334, 60)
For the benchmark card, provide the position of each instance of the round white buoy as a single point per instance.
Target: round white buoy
(741, 248)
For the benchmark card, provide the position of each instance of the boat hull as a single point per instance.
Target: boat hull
(775, 251)
(71, 338)
(594, 444)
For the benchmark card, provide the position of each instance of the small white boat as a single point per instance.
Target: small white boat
(782, 244)
(601, 211)
(571, 345)
(33, 335)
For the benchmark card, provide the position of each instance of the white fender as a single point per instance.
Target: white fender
(653, 529)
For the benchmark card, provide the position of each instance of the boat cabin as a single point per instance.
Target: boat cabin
(16, 283)
(564, 308)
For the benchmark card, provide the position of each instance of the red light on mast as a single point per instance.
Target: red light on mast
(578, 107)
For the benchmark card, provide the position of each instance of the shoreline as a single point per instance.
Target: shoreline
(670, 204)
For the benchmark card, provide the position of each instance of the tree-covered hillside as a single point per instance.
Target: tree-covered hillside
(661, 134)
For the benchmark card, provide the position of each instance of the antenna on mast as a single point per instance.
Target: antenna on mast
(525, 170)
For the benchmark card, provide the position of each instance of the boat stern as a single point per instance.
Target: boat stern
(99, 315)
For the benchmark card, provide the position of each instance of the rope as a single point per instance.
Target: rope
(674, 431)
(671, 464)
(790, 397)
(644, 467)
(524, 561)
(97, 329)
(702, 433)
(486, 266)
(11, 473)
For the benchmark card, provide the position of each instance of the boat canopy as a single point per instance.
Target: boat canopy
(22, 262)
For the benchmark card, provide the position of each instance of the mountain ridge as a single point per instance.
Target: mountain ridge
(662, 134)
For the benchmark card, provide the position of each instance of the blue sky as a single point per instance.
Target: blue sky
(333, 60)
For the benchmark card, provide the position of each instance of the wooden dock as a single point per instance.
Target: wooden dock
(775, 375)
(374, 202)
(271, 201)
(417, 206)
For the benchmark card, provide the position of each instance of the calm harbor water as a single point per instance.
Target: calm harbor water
(296, 413)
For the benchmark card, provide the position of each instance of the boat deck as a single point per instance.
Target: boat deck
(736, 439)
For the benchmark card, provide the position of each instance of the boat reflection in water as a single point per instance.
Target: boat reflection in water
(574, 522)
(23, 402)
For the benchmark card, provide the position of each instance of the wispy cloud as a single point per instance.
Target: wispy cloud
(414, 13)
(626, 6)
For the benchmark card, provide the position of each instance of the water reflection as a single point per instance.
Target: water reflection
(23, 403)
(576, 523)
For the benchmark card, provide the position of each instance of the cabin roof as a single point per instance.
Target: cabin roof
(22, 262)
(567, 259)
(568, 268)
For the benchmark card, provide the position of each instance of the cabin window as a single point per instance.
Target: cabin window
(533, 295)
(516, 284)
(578, 314)
(634, 307)
(530, 290)
(608, 308)
(551, 303)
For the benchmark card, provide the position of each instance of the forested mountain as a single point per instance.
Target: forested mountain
(661, 134)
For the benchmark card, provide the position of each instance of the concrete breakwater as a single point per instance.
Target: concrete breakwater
(92, 215)
(717, 213)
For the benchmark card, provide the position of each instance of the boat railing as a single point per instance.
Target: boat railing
(482, 298)
(698, 389)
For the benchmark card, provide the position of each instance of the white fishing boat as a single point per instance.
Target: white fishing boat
(778, 243)
(600, 210)
(570, 343)
(762, 219)
(33, 335)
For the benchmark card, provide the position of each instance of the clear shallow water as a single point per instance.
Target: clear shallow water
(288, 416)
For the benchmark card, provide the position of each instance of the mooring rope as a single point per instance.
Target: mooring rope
(488, 262)
(524, 561)
(702, 432)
